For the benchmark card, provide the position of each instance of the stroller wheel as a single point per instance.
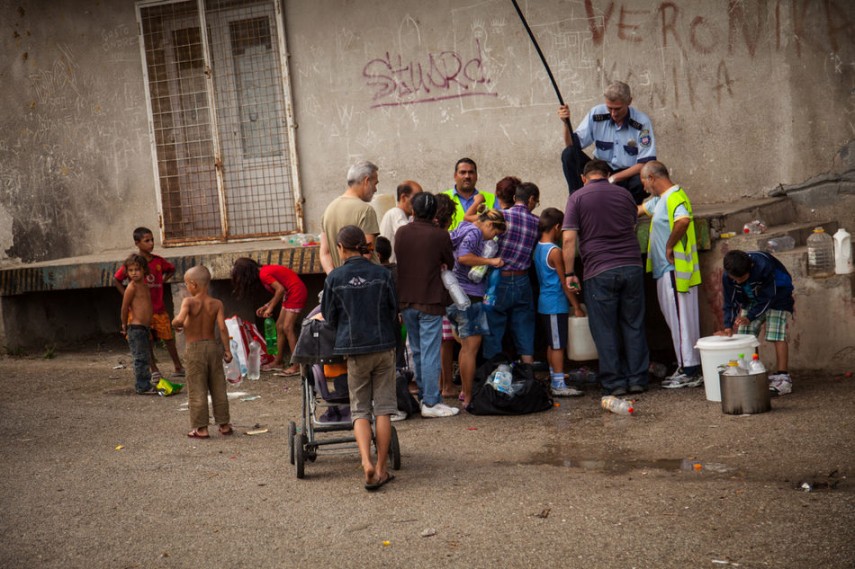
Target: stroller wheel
(292, 430)
(395, 450)
(299, 456)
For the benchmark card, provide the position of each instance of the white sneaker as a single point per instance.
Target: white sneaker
(398, 416)
(564, 390)
(683, 380)
(780, 384)
(439, 410)
(669, 381)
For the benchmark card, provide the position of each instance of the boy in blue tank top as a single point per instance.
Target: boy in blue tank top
(555, 299)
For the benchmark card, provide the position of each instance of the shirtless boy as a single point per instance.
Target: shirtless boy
(136, 318)
(199, 318)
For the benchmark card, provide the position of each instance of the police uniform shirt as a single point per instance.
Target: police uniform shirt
(622, 147)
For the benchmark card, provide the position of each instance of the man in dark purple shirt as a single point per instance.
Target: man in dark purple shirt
(602, 217)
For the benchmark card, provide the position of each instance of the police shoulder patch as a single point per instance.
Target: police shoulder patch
(600, 118)
(645, 139)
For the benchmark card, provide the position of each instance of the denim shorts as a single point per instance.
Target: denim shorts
(469, 322)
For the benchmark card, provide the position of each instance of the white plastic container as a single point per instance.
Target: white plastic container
(580, 343)
(842, 252)
(718, 350)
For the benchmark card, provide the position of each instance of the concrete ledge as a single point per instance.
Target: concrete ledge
(96, 271)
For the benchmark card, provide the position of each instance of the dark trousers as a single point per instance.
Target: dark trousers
(573, 162)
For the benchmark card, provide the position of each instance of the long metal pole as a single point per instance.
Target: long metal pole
(543, 59)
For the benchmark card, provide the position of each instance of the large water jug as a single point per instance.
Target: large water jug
(820, 248)
(842, 252)
(580, 343)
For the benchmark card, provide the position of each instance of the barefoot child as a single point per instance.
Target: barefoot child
(136, 317)
(555, 299)
(199, 317)
(287, 288)
(159, 271)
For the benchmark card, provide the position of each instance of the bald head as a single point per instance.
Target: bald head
(654, 177)
(199, 275)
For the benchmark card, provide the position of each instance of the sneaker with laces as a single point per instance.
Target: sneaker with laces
(671, 379)
(684, 380)
(564, 390)
(438, 410)
(780, 384)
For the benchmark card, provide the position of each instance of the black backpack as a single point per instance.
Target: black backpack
(530, 394)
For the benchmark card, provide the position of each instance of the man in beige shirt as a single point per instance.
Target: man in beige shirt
(350, 208)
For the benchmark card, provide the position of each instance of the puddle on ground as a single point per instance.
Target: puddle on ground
(620, 465)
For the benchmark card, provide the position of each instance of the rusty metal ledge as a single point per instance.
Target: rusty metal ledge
(96, 271)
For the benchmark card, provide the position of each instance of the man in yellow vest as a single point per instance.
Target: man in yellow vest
(672, 257)
(463, 193)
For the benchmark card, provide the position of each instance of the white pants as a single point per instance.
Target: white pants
(680, 310)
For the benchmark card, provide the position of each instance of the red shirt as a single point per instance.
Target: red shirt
(283, 275)
(157, 267)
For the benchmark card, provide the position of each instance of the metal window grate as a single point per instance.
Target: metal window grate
(219, 99)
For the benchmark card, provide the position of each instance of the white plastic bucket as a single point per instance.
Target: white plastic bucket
(580, 343)
(718, 350)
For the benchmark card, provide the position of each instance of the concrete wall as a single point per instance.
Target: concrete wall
(743, 95)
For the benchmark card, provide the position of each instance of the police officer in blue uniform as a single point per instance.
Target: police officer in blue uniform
(621, 135)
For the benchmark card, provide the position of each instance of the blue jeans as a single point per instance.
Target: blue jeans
(138, 340)
(425, 333)
(514, 305)
(615, 304)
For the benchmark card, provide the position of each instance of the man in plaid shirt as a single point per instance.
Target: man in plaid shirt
(514, 297)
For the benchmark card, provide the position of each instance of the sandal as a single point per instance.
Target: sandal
(195, 434)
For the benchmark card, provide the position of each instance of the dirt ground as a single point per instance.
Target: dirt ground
(96, 476)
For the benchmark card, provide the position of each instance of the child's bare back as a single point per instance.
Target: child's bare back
(200, 313)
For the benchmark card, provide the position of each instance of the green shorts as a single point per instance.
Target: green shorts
(776, 325)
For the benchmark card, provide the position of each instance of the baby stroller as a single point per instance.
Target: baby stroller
(325, 410)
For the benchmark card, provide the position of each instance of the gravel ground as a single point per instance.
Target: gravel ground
(96, 476)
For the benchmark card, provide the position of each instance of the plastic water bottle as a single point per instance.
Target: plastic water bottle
(232, 371)
(253, 364)
(842, 252)
(732, 368)
(754, 227)
(460, 299)
(617, 405)
(756, 366)
(502, 379)
(270, 336)
(820, 248)
(743, 363)
(492, 285)
(238, 356)
(476, 274)
(777, 244)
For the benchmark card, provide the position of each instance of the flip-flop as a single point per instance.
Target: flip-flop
(372, 486)
(194, 434)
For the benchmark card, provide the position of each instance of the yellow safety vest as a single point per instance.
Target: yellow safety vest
(687, 269)
(459, 212)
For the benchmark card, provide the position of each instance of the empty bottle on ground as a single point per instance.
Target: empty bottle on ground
(820, 248)
(253, 364)
(617, 405)
(754, 227)
(778, 244)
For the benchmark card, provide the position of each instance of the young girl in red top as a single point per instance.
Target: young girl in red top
(287, 288)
